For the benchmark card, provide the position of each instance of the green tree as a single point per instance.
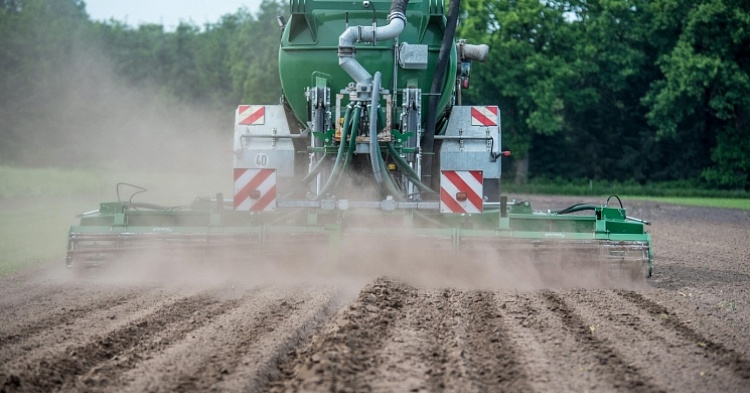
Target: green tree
(254, 54)
(706, 86)
(529, 69)
(605, 130)
(37, 38)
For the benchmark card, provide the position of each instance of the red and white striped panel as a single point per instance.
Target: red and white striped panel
(454, 182)
(254, 189)
(250, 115)
(484, 116)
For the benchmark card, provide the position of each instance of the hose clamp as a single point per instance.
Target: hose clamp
(347, 51)
(396, 15)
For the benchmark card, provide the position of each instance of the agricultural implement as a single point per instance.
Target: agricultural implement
(371, 146)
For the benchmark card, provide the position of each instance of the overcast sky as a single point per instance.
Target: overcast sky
(166, 12)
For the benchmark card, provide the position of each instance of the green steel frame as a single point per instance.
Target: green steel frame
(119, 227)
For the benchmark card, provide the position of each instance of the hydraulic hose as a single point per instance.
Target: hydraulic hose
(336, 172)
(578, 207)
(374, 150)
(443, 57)
(353, 136)
(390, 185)
(408, 170)
(352, 143)
(317, 167)
(379, 169)
(398, 6)
(315, 170)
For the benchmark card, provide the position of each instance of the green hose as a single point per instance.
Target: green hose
(352, 143)
(408, 170)
(336, 172)
(390, 184)
(316, 168)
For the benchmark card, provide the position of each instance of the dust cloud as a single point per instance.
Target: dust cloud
(359, 258)
(87, 117)
(176, 151)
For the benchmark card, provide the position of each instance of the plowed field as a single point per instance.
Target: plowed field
(392, 327)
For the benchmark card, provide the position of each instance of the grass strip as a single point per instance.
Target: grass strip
(724, 203)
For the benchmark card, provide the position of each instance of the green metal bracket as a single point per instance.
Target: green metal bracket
(326, 137)
(312, 217)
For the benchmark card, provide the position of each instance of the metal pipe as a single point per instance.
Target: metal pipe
(354, 34)
(315, 170)
(474, 52)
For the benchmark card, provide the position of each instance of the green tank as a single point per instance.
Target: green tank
(308, 55)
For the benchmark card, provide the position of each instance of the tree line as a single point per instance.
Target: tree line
(643, 90)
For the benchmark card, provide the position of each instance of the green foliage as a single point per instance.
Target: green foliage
(618, 89)
(528, 69)
(588, 187)
(36, 36)
(706, 87)
(731, 157)
(720, 202)
(623, 90)
(224, 64)
(72, 89)
(254, 56)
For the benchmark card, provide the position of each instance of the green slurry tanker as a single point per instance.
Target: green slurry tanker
(370, 148)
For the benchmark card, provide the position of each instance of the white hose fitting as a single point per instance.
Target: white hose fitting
(354, 34)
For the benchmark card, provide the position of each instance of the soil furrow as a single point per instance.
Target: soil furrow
(27, 329)
(727, 357)
(15, 291)
(446, 336)
(77, 332)
(623, 376)
(169, 329)
(493, 358)
(227, 355)
(552, 356)
(342, 354)
(63, 369)
(646, 342)
(414, 356)
(258, 363)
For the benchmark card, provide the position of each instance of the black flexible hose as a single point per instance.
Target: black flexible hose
(445, 53)
(578, 207)
(398, 6)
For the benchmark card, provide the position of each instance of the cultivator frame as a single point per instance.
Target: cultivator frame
(210, 229)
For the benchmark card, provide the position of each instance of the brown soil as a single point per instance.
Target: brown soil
(259, 330)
